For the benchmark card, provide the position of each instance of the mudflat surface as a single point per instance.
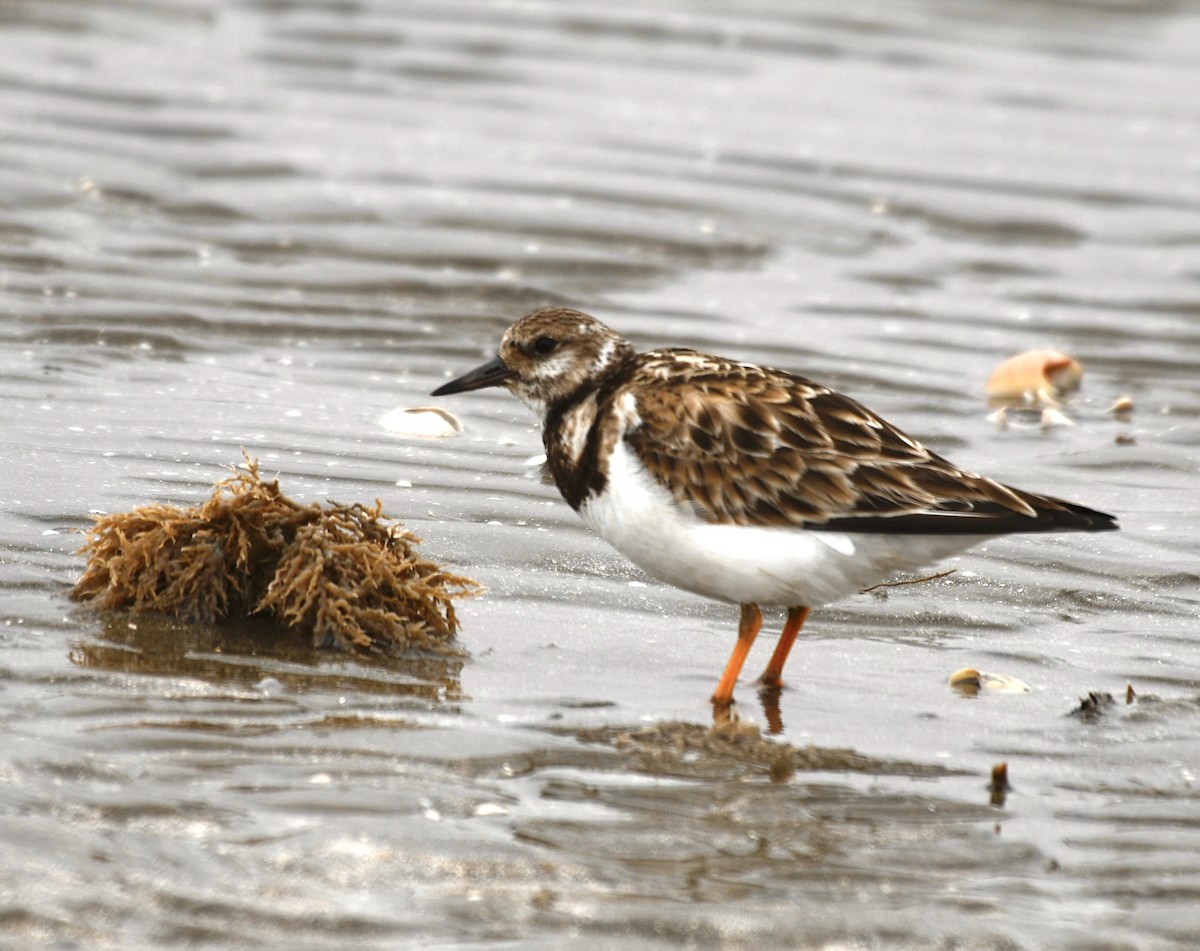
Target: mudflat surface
(262, 225)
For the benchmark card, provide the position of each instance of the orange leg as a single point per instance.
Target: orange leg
(772, 677)
(748, 626)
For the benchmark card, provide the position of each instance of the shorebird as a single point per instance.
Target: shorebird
(744, 483)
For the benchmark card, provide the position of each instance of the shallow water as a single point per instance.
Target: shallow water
(265, 225)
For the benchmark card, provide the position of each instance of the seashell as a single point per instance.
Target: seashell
(1122, 408)
(423, 422)
(966, 681)
(970, 681)
(1034, 378)
(1052, 417)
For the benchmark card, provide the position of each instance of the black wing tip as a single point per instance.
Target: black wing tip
(1049, 515)
(1081, 518)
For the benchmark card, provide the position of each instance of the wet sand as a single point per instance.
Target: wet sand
(264, 226)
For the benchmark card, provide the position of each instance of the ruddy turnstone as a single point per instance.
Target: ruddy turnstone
(743, 483)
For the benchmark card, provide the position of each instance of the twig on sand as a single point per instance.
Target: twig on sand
(896, 584)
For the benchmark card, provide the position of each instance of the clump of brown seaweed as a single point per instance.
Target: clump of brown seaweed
(346, 575)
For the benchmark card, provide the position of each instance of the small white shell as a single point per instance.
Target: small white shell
(970, 681)
(1052, 417)
(422, 422)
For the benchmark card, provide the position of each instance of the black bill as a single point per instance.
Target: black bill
(492, 373)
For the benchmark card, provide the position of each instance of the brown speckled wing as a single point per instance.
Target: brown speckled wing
(753, 446)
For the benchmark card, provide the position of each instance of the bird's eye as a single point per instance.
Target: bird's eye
(544, 345)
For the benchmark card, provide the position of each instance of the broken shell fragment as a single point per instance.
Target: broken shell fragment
(999, 786)
(1052, 417)
(422, 422)
(1122, 408)
(1033, 379)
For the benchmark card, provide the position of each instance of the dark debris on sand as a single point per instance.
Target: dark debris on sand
(344, 575)
(1093, 706)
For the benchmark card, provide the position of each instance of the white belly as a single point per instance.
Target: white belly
(747, 564)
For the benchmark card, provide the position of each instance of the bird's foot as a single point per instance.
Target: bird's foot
(724, 711)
